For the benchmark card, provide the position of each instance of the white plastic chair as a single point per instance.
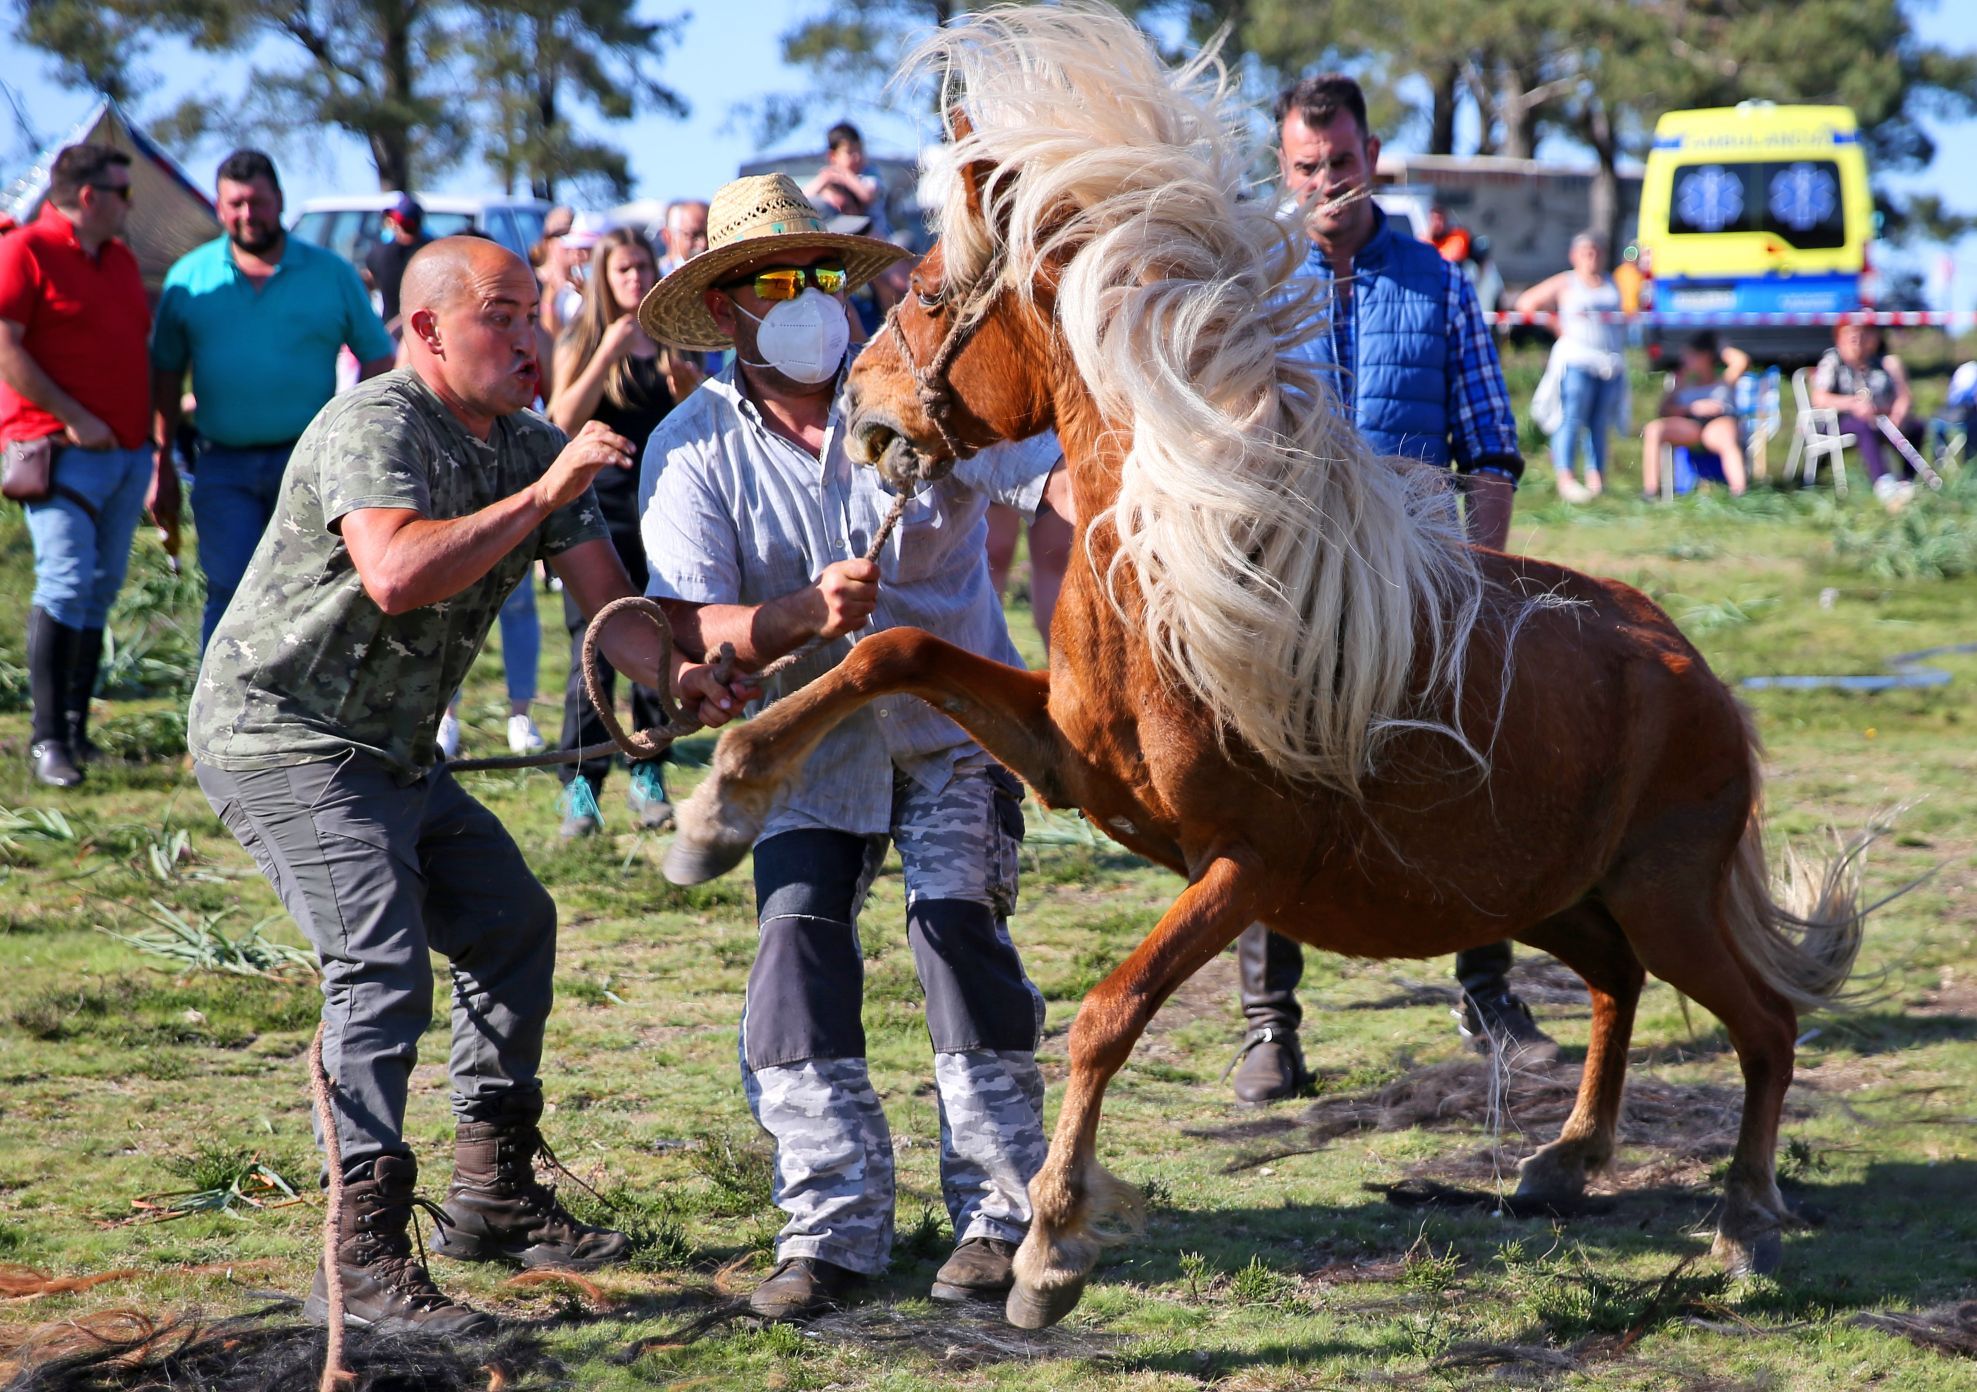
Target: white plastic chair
(1816, 433)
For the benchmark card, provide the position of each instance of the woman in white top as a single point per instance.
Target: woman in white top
(1590, 353)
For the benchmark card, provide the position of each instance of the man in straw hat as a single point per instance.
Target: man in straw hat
(755, 528)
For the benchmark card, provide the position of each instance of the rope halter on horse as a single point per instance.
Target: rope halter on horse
(930, 384)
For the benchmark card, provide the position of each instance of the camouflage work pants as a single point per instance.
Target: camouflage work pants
(803, 1042)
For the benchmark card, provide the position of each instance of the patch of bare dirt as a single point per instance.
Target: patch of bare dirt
(1695, 1122)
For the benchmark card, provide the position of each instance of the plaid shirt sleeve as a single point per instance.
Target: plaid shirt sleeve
(1484, 431)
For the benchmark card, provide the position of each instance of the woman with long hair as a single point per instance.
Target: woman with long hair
(608, 369)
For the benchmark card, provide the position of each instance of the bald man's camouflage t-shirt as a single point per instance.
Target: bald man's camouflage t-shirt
(304, 665)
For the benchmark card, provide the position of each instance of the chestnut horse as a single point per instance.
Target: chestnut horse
(1275, 668)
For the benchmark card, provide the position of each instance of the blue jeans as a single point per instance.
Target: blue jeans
(521, 640)
(234, 492)
(1590, 403)
(79, 565)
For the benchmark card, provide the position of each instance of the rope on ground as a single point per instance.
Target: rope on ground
(642, 745)
(334, 1374)
(1905, 670)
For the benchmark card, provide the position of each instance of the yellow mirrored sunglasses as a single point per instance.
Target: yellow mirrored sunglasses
(775, 283)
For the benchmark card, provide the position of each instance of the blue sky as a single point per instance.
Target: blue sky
(729, 53)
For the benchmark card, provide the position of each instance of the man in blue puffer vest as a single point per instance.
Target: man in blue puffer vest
(1420, 372)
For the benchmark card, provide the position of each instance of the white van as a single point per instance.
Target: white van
(351, 225)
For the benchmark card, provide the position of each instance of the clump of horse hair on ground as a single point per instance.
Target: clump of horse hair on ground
(265, 1350)
(1945, 1328)
(1697, 1119)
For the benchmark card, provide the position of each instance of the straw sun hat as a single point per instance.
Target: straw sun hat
(751, 220)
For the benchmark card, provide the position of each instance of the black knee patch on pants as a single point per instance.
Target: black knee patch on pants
(806, 988)
(976, 995)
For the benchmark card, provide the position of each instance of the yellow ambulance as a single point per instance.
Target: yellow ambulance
(1757, 208)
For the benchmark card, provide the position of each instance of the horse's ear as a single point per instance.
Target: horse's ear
(975, 173)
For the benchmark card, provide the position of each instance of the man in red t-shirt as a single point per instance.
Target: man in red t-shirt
(74, 371)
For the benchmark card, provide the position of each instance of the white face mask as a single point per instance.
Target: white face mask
(804, 338)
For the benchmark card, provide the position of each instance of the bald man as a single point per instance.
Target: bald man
(412, 506)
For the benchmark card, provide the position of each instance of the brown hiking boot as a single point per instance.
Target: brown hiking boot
(979, 1269)
(1270, 1068)
(497, 1210)
(385, 1286)
(801, 1287)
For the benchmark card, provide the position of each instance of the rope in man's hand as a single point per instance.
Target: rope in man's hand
(642, 745)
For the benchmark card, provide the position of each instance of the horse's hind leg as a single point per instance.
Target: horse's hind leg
(1587, 940)
(1683, 938)
(1077, 1207)
(1005, 708)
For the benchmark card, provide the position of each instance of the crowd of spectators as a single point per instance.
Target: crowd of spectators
(218, 377)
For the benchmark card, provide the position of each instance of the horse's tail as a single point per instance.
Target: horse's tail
(1803, 937)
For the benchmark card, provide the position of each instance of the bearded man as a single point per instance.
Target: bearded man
(259, 318)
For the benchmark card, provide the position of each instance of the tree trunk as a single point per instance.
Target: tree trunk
(1518, 114)
(1603, 212)
(391, 144)
(542, 178)
(1441, 116)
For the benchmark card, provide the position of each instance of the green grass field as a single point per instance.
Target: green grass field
(1267, 1262)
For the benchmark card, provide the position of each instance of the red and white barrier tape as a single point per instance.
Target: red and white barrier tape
(1725, 319)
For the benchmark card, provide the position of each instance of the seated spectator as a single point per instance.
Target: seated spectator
(844, 186)
(1864, 384)
(1950, 431)
(1699, 411)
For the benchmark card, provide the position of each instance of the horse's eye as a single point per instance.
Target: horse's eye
(930, 302)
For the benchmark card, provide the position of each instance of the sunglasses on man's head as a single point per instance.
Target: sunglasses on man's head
(787, 282)
(121, 190)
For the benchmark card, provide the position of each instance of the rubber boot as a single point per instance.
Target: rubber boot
(51, 656)
(385, 1286)
(497, 1210)
(1270, 1066)
(82, 686)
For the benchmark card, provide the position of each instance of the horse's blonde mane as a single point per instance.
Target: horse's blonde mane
(1316, 599)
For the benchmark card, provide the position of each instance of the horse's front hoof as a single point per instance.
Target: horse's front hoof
(696, 862)
(1554, 1174)
(1759, 1256)
(1031, 1308)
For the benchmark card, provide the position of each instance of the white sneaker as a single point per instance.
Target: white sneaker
(449, 735)
(523, 737)
(1893, 493)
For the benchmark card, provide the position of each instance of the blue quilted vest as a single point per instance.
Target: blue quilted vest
(1400, 337)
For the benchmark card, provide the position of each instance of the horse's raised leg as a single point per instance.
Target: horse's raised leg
(1682, 938)
(1077, 1206)
(1587, 940)
(1004, 708)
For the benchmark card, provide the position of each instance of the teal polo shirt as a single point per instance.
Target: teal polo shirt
(263, 360)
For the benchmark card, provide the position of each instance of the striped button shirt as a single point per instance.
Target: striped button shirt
(732, 513)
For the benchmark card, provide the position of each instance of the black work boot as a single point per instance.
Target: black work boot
(1493, 1020)
(51, 656)
(801, 1287)
(497, 1210)
(980, 1268)
(1270, 1066)
(385, 1286)
(82, 686)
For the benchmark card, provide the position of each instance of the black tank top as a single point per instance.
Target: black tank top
(647, 403)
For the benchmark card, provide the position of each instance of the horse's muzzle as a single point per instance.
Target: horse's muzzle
(876, 441)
